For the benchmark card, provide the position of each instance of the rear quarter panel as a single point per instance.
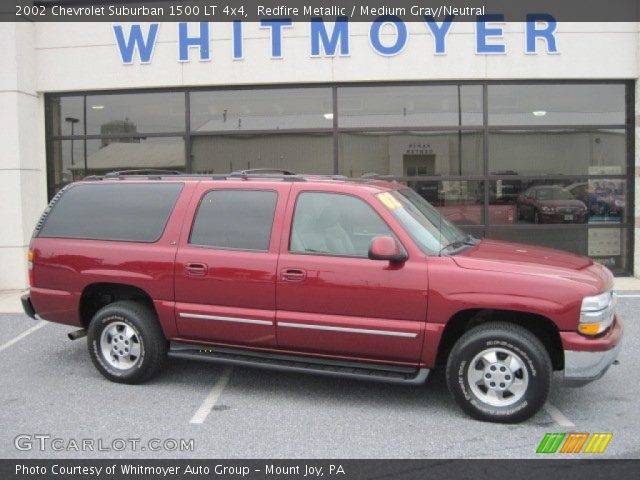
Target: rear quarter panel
(63, 268)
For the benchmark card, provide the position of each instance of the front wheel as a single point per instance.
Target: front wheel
(126, 343)
(499, 372)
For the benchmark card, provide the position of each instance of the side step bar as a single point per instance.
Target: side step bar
(295, 363)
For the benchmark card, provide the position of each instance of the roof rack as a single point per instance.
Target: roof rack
(256, 173)
(151, 174)
(121, 173)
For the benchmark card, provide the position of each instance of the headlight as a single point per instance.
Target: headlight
(548, 209)
(596, 313)
(619, 203)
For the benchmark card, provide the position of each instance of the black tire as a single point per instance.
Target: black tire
(152, 344)
(535, 364)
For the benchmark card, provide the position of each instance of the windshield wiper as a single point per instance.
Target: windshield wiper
(468, 240)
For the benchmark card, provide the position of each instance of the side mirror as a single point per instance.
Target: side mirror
(386, 248)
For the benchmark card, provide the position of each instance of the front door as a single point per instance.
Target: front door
(331, 298)
(225, 272)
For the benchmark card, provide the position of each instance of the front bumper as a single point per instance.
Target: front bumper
(27, 306)
(586, 365)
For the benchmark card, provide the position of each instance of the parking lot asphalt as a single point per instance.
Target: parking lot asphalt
(49, 390)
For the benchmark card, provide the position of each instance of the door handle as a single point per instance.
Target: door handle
(196, 269)
(294, 275)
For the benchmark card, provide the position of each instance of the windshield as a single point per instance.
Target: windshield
(426, 226)
(552, 193)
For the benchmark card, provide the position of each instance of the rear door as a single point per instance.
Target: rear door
(334, 300)
(225, 272)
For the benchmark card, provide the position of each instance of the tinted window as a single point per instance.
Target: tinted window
(134, 113)
(128, 212)
(334, 224)
(238, 219)
(264, 109)
(556, 104)
(67, 115)
(414, 106)
(410, 154)
(298, 152)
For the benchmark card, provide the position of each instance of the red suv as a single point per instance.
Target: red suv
(351, 278)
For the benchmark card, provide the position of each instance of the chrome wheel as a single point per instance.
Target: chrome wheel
(498, 377)
(121, 345)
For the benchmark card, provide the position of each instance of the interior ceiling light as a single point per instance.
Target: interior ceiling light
(328, 116)
(539, 113)
(97, 107)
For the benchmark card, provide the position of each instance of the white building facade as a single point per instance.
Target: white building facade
(512, 135)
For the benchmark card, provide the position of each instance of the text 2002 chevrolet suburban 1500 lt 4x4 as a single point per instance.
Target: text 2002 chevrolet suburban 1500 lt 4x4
(315, 274)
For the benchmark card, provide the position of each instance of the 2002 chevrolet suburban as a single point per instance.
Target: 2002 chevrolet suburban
(352, 278)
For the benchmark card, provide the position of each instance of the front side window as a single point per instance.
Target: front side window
(426, 226)
(235, 219)
(334, 224)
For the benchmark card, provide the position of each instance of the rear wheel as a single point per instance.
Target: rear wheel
(126, 343)
(499, 372)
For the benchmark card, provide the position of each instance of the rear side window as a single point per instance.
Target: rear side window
(235, 219)
(131, 212)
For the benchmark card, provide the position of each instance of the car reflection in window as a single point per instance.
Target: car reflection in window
(550, 204)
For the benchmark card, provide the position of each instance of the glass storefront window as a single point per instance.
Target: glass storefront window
(561, 201)
(410, 106)
(304, 153)
(410, 154)
(108, 154)
(582, 104)
(66, 162)
(551, 161)
(66, 115)
(608, 246)
(459, 201)
(264, 109)
(557, 152)
(133, 113)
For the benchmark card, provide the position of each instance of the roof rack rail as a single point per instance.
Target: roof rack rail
(268, 173)
(254, 171)
(121, 173)
(378, 176)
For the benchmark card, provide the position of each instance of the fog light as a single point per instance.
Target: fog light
(589, 328)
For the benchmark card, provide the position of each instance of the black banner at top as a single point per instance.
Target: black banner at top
(306, 10)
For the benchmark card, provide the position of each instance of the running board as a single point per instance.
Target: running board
(296, 363)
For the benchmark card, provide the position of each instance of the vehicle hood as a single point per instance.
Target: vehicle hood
(515, 258)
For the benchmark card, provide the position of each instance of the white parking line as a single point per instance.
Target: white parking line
(558, 416)
(201, 414)
(37, 326)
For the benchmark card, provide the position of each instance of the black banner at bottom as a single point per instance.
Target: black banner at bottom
(577, 469)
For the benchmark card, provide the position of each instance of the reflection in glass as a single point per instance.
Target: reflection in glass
(607, 246)
(586, 104)
(303, 153)
(159, 153)
(67, 162)
(410, 106)
(66, 115)
(458, 201)
(409, 154)
(265, 109)
(563, 152)
(126, 114)
(597, 200)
